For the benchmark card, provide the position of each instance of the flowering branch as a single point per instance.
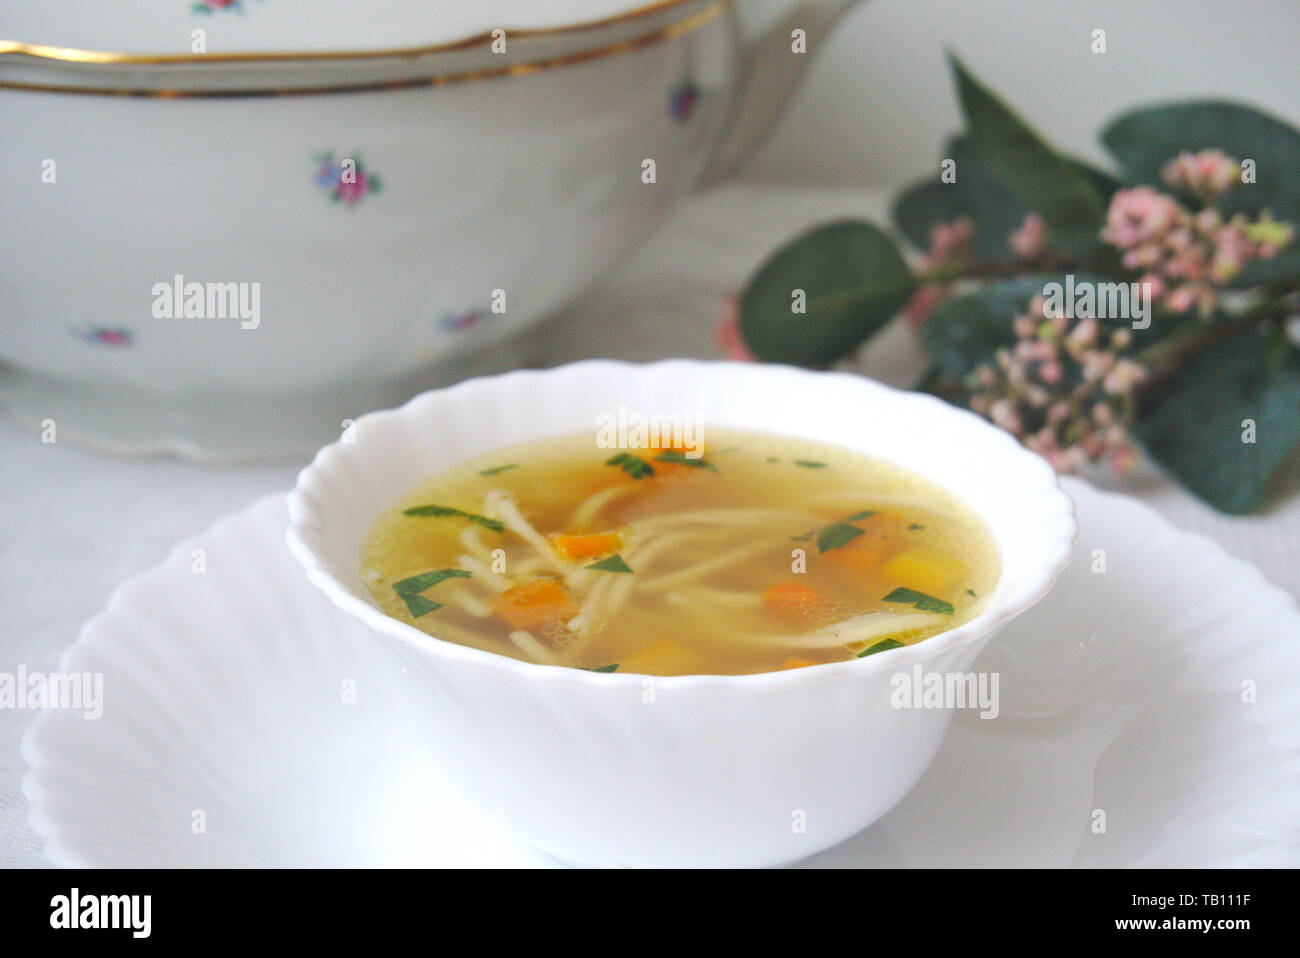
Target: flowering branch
(1189, 273)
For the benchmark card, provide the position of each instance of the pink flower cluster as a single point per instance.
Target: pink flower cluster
(949, 245)
(1065, 389)
(1208, 174)
(1186, 257)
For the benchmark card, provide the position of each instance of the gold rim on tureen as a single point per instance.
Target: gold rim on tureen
(107, 57)
(91, 58)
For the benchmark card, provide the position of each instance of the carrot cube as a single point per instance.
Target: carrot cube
(586, 546)
(793, 598)
(532, 603)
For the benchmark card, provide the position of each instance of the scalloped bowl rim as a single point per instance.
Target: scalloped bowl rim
(305, 517)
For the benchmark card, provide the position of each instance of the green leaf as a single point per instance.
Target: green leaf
(860, 515)
(854, 279)
(409, 589)
(1041, 178)
(495, 469)
(926, 603)
(484, 521)
(809, 464)
(1193, 423)
(614, 563)
(604, 668)
(1143, 140)
(967, 331)
(979, 195)
(835, 535)
(634, 466)
(884, 645)
(677, 456)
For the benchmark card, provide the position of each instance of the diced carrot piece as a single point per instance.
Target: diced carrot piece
(923, 570)
(790, 597)
(861, 559)
(793, 663)
(585, 546)
(662, 657)
(667, 467)
(532, 603)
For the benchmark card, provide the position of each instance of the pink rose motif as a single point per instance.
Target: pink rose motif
(351, 190)
(346, 180)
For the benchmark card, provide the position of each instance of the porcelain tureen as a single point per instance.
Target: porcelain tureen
(232, 226)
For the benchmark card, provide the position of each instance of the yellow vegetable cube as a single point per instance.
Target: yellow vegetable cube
(923, 570)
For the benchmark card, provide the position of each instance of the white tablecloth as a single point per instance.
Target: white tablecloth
(73, 525)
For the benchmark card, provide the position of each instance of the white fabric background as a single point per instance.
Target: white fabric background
(73, 525)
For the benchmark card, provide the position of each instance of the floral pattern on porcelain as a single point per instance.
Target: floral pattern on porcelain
(682, 100)
(346, 180)
(105, 335)
(212, 6)
(459, 322)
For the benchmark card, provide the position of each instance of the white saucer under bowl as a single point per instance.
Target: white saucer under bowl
(248, 722)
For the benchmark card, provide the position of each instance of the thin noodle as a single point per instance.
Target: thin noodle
(471, 539)
(529, 645)
(470, 604)
(668, 580)
(862, 628)
(482, 573)
(724, 597)
(729, 517)
(591, 507)
(502, 507)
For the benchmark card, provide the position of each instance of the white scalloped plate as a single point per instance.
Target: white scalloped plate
(1121, 691)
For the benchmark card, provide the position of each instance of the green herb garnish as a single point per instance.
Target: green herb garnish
(495, 469)
(484, 521)
(634, 466)
(408, 590)
(926, 603)
(676, 455)
(835, 535)
(971, 593)
(914, 526)
(838, 533)
(809, 464)
(614, 563)
(884, 645)
(603, 668)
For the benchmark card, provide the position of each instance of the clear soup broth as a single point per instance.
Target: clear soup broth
(764, 553)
